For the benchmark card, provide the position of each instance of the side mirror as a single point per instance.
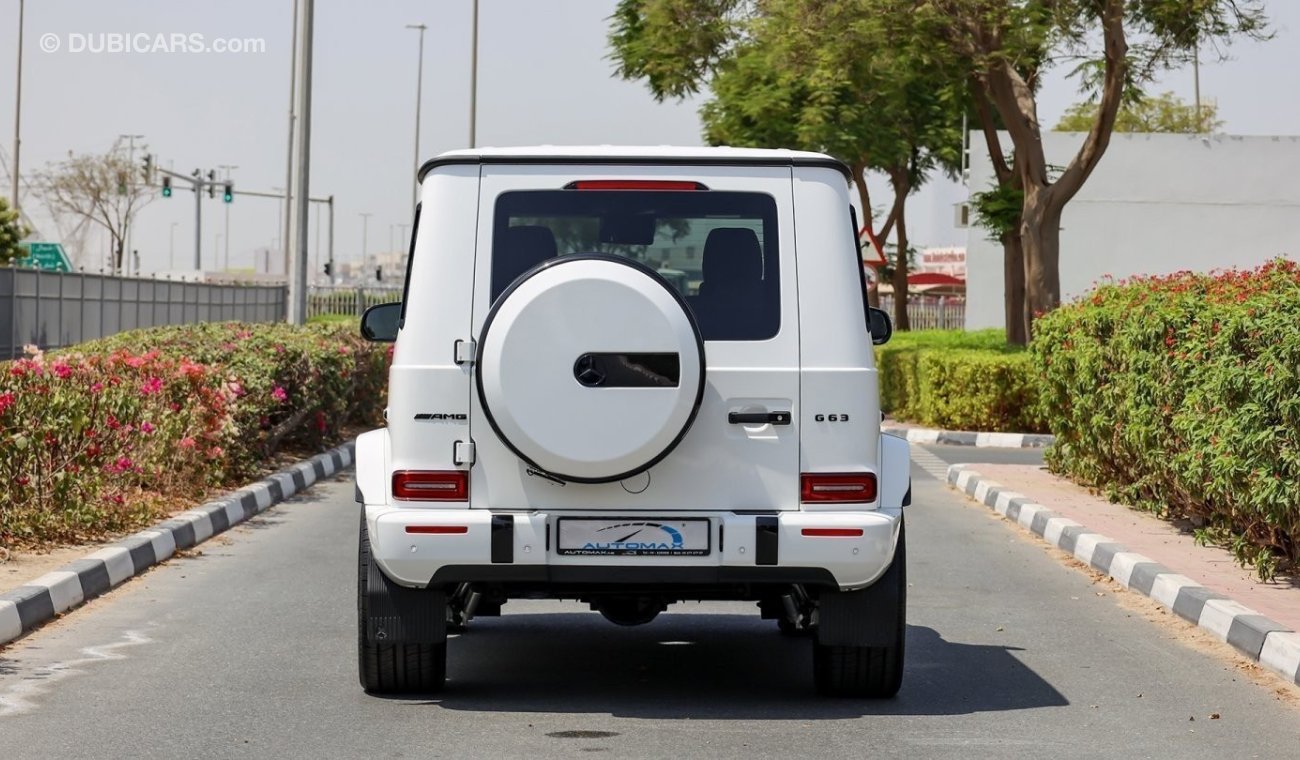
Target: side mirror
(379, 323)
(879, 325)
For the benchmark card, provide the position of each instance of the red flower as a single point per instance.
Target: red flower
(279, 394)
(151, 386)
(7, 400)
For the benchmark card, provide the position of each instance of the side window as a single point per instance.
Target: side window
(410, 262)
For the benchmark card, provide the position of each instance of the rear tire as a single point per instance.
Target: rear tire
(403, 668)
(873, 672)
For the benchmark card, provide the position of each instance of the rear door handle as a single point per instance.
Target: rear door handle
(759, 418)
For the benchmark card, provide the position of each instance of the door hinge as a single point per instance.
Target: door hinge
(465, 351)
(463, 452)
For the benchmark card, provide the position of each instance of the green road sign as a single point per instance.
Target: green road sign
(47, 256)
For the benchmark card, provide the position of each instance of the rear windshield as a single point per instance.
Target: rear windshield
(718, 249)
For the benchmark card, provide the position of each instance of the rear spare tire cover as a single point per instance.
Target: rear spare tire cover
(590, 368)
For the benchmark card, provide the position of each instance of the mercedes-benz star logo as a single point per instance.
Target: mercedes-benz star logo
(588, 371)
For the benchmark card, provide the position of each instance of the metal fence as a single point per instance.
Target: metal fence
(55, 310)
(930, 312)
(322, 300)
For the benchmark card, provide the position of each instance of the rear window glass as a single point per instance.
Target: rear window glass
(718, 249)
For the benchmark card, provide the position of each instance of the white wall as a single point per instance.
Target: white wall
(1155, 204)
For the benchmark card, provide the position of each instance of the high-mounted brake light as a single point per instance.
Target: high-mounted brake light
(424, 485)
(828, 532)
(844, 488)
(633, 184)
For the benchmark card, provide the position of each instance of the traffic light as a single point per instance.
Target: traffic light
(147, 169)
(167, 187)
(212, 183)
(228, 192)
(329, 269)
(379, 274)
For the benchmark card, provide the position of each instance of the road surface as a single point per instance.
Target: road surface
(247, 649)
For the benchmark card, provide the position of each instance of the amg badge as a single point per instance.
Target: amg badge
(442, 417)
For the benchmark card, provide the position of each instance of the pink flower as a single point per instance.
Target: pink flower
(62, 370)
(146, 428)
(122, 464)
(135, 362)
(215, 452)
(187, 443)
(96, 387)
(151, 386)
(279, 394)
(7, 400)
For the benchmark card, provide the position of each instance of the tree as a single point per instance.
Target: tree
(99, 188)
(1165, 112)
(831, 77)
(12, 232)
(997, 36)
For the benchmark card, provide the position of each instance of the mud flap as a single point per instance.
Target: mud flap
(395, 614)
(870, 617)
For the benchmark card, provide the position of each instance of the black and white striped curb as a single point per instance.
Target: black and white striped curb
(971, 438)
(1271, 644)
(34, 604)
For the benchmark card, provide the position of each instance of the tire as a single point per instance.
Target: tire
(872, 672)
(404, 668)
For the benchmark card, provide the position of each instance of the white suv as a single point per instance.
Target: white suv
(631, 377)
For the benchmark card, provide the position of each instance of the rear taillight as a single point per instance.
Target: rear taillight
(633, 184)
(438, 530)
(424, 485)
(844, 488)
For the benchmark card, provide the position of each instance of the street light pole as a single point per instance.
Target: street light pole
(130, 180)
(419, 92)
(331, 243)
(288, 160)
(473, 81)
(18, 109)
(298, 278)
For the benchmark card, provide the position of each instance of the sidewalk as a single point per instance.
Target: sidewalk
(1150, 556)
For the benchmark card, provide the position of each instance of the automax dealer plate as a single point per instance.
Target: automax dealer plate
(642, 537)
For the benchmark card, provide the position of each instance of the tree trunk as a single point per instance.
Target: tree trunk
(1013, 281)
(900, 265)
(1040, 231)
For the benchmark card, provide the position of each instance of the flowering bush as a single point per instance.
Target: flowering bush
(100, 438)
(1181, 394)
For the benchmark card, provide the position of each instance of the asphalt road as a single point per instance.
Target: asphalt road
(248, 650)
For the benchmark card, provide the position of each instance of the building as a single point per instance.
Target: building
(1157, 203)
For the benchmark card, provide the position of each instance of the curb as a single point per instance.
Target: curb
(1265, 641)
(30, 606)
(972, 438)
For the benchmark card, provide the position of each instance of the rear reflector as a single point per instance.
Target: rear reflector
(633, 184)
(441, 530)
(423, 485)
(845, 488)
(828, 532)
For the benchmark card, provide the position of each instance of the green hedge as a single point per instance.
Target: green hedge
(1181, 395)
(959, 380)
(105, 436)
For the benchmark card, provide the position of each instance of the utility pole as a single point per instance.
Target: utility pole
(171, 247)
(288, 171)
(298, 277)
(1196, 80)
(419, 92)
(130, 160)
(197, 174)
(365, 234)
(18, 110)
(473, 81)
(225, 263)
(331, 243)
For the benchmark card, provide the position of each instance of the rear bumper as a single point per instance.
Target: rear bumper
(516, 547)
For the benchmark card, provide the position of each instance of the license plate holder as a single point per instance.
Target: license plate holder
(634, 536)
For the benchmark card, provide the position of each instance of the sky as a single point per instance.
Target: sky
(543, 78)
